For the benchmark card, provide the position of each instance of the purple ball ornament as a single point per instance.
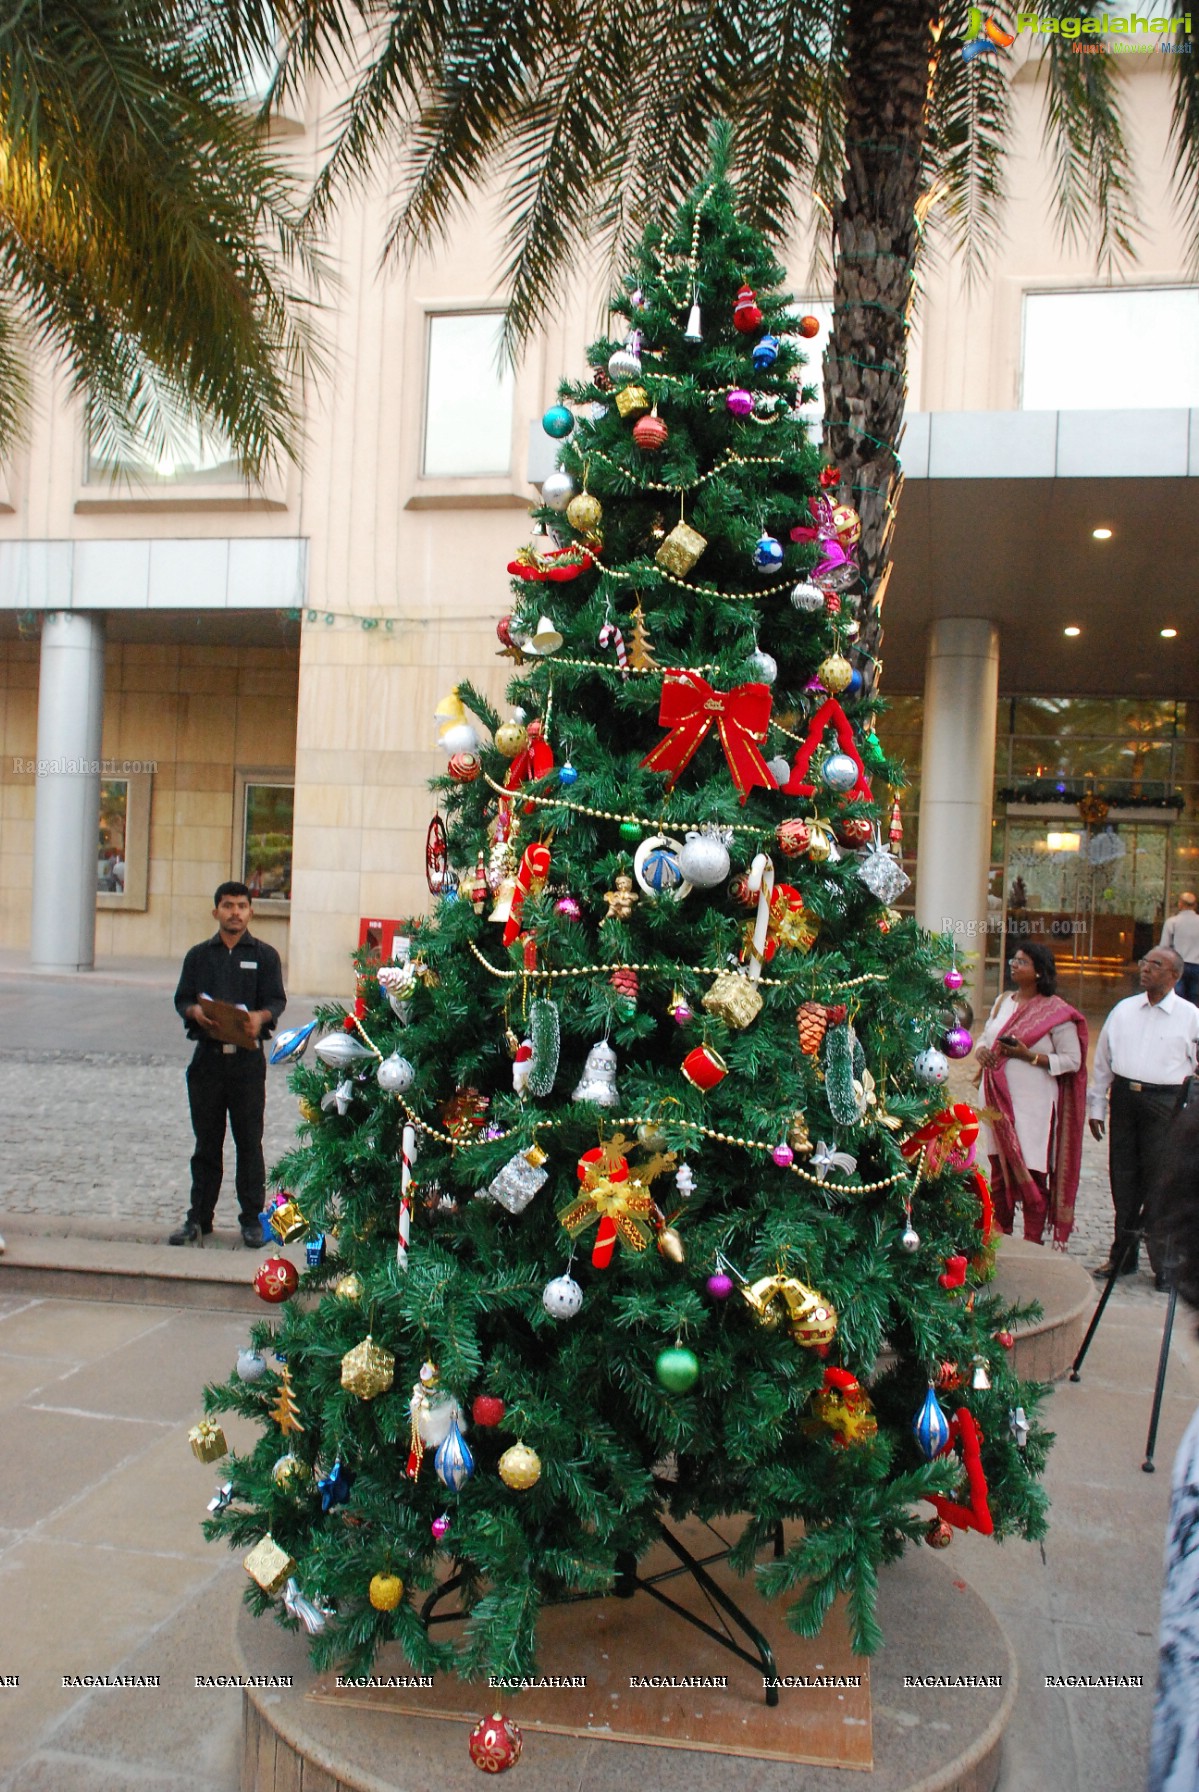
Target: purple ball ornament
(958, 1043)
(953, 978)
(440, 1526)
(783, 1155)
(568, 907)
(740, 402)
(720, 1286)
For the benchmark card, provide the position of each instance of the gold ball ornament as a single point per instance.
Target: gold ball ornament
(386, 1591)
(348, 1287)
(511, 738)
(520, 1467)
(290, 1473)
(834, 673)
(584, 512)
(309, 1111)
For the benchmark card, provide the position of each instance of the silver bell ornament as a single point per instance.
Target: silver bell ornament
(808, 599)
(562, 1297)
(695, 329)
(557, 490)
(704, 859)
(395, 1074)
(598, 1081)
(545, 638)
(932, 1066)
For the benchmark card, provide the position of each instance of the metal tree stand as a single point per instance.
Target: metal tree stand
(1132, 1243)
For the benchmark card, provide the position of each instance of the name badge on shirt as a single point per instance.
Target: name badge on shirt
(249, 964)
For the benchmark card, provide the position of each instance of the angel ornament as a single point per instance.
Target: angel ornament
(622, 900)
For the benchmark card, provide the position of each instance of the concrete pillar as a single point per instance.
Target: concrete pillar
(957, 777)
(70, 714)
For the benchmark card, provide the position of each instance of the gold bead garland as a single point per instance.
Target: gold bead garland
(658, 822)
(730, 597)
(623, 672)
(730, 458)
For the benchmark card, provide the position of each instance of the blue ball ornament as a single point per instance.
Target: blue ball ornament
(854, 687)
(661, 870)
(839, 773)
(558, 421)
(766, 352)
(568, 774)
(768, 554)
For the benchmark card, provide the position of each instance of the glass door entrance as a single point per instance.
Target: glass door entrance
(1095, 896)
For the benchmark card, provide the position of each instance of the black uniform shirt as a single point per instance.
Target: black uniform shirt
(249, 973)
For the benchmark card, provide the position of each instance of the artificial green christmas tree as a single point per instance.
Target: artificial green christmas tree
(646, 1198)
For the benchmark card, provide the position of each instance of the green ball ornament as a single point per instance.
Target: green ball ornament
(677, 1369)
(630, 830)
(558, 421)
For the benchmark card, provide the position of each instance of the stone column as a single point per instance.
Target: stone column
(70, 708)
(957, 776)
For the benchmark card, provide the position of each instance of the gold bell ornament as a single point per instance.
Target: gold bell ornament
(810, 1318)
(288, 1223)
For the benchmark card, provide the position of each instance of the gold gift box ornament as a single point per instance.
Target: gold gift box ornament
(207, 1441)
(368, 1370)
(681, 549)
(734, 998)
(268, 1565)
(632, 401)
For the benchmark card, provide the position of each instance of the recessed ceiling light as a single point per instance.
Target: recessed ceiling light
(1101, 534)
(1071, 631)
(1168, 634)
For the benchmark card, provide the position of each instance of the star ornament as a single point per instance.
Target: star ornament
(824, 1159)
(338, 1098)
(334, 1488)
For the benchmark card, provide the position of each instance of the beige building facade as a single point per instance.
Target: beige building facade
(268, 659)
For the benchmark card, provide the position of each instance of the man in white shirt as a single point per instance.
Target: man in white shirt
(1181, 934)
(1146, 1052)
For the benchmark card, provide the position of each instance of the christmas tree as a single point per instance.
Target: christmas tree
(648, 1202)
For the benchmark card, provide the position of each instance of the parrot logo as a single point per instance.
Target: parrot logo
(984, 36)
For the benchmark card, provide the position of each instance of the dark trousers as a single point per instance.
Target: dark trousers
(1139, 1122)
(232, 1084)
(1188, 984)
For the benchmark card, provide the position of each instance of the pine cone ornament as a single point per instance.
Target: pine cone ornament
(812, 1021)
(626, 984)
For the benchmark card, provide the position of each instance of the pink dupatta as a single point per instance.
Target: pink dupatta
(1030, 1023)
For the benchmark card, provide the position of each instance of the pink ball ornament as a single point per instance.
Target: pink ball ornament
(680, 1013)
(953, 978)
(720, 1286)
(783, 1155)
(740, 402)
(439, 1527)
(958, 1043)
(568, 907)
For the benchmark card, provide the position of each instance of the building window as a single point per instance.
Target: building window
(1135, 347)
(123, 836)
(468, 397)
(266, 840)
(193, 455)
(114, 817)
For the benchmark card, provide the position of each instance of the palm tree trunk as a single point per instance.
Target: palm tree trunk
(892, 48)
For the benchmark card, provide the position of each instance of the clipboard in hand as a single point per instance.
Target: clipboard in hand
(230, 1024)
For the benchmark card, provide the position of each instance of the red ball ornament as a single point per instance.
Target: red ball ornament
(495, 1743)
(276, 1280)
(939, 1535)
(487, 1409)
(809, 326)
(1005, 1340)
(855, 830)
(740, 892)
(794, 837)
(650, 433)
(747, 314)
(830, 476)
(464, 768)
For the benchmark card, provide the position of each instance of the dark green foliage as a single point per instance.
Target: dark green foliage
(618, 1452)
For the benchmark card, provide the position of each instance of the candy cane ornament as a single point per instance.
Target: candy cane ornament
(610, 632)
(530, 880)
(760, 883)
(407, 1158)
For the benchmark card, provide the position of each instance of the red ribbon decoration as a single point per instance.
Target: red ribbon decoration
(977, 1515)
(829, 711)
(534, 760)
(534, 869)
(951, 1130)
(689, 707)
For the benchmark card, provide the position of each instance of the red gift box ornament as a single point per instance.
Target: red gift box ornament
(690, 706)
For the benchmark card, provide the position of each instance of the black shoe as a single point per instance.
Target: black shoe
(190, 1232)
(1127, 1268)
(252, 1236)
(1160, 1282)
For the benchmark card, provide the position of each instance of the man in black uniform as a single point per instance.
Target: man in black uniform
(228, 1079)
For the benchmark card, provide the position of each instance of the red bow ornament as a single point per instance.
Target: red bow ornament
(534, 760)
(689, 708)
(949, 1135)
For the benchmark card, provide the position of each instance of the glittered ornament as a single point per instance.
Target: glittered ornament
(720, 1286)
(569, 908)
(793, 837)
(932, 1066)
(511, 738)
(395, 1074)
(809, 326)
(367, 1370)
(958, 1043)
(807, 599)
(632, 402)
(839, 773)
(514, 1186)
(558, 421)
(520, 1467)
(495, 1743)
(681, 549)
(782, 1155)
(650, 433)
(487, 1410)
(348, 1287)
(454, 1462)
(385, 1591)
(834, 673)
(704, 858)
(739, 402)
(267, 1565)
(767, 554)
(584, 513)
(250, 1366)
(677, 1369)
(747, 314)
(598, 1081)
(562, 1297)
(557, 490)
(276, 1280)
(930, 1426)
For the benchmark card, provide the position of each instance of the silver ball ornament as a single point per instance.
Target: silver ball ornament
(807, 599)
(704, 860)
(766, 667)
(624, 365)
(839, 773)
(910, 1240)
(562, 1297)
(395, 1074)
(250, 1366)
(557, 490)
(932, 1066)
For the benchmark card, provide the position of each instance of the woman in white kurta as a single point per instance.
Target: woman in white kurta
(1032, 1050)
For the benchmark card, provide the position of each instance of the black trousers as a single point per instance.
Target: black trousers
(232, 1084)
(1139, 1122)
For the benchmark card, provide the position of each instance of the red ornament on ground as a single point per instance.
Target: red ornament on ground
(495, 1743)
(809, 326)
(747, 313)
(487, 1409)
(276, 1280)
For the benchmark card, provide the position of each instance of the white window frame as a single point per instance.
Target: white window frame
(1085, 289)
(483, 491)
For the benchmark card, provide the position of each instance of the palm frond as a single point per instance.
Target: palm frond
(1094, 190)
(14, 381)
(822, 95)
(969, 126)
(775, 143)
(1184, 139)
